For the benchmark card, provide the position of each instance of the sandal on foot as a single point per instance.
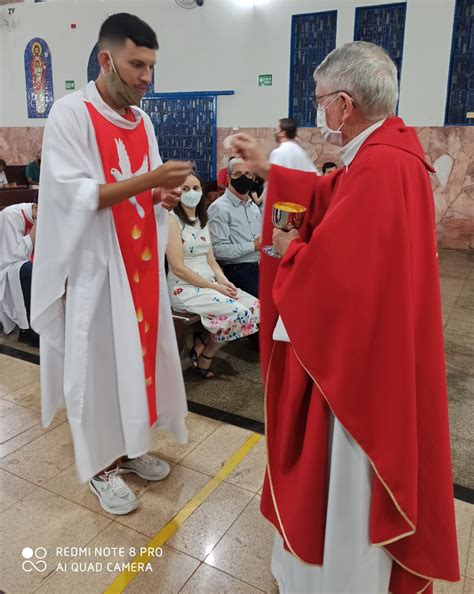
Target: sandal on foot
(193, 353)
(205, 373)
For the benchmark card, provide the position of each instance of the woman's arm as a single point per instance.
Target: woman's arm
(218, 273)
(256, 199)
(175, 256)
(216, 269)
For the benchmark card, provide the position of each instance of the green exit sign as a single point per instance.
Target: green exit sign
(265, 80)
(70, 86)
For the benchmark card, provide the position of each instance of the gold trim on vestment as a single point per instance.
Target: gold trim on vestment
(392, 496)
(285, 538)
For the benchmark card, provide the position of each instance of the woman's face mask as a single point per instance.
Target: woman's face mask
(332, 136)
(121, 93)
(191, 198)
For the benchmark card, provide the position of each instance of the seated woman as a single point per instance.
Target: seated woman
(197, 284)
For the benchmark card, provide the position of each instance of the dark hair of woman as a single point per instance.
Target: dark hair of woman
(201, 210)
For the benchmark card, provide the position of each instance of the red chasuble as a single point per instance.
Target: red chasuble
(124, 153)
(359, 297)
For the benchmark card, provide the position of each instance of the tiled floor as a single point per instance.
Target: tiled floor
(224, 546)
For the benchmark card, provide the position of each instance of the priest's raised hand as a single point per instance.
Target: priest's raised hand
(250, 150)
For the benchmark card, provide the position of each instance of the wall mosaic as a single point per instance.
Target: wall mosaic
(38, 78)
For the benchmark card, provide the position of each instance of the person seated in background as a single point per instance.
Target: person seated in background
(3, 175)
(289, 153)
(33, 171)
(256, 191)
(328, 167)
(235, 224)
(17, 244)
(223, 179)
(197, 284)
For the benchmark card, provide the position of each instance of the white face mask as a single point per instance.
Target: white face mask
(191, 198)
(332, 136)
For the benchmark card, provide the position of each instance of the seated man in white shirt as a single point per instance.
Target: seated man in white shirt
(235, 225)
(3, 177)
(17, 244)
(289, 153)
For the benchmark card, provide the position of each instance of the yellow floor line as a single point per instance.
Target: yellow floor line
(122, 580)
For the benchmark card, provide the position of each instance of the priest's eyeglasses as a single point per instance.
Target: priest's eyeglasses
(316, 99)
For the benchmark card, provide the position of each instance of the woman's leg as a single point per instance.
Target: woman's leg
(205, 359)
(200, 340)
(211, 349)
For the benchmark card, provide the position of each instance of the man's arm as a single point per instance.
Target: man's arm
(170, 175)
(219, 229)
(66, 144)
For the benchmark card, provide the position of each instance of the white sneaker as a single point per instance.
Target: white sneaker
(114, 495)
(147, 467)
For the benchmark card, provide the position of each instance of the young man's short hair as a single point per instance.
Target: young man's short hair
(122, 26)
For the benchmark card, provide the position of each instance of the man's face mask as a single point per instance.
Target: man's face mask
(121, 93)
(332, 136)
(242, 184)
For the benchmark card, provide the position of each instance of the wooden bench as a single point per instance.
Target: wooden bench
(183, 322)
(9, 196)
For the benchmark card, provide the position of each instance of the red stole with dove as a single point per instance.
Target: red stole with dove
(124, 153)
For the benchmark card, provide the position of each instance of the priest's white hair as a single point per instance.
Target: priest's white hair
(366, 73)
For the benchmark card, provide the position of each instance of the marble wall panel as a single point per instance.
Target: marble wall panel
(449, 149)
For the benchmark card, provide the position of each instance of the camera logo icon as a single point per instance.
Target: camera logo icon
(38, 555)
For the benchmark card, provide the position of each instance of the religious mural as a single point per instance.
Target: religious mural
(39, 78)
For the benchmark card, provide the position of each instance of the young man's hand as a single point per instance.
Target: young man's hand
(168, 198)
(171, 174)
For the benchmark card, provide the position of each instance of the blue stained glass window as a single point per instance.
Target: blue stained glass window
(384, 25)
(185, 127)
(93, 68)
(313, 37)
(460, 99)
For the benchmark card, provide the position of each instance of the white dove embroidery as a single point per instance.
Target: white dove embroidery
(125, 172)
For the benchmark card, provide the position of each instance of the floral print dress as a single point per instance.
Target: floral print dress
(226, 318)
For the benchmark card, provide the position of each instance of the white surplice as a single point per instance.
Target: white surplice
(291, 155)
(16, 248)
(82, 306)
(351, 565)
